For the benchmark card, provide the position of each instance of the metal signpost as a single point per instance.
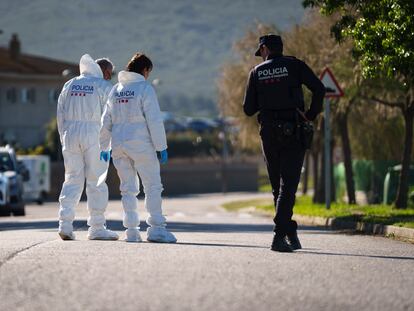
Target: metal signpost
(327, 145)
(332, 91)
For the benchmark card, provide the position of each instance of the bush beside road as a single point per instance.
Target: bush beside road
(372, 214)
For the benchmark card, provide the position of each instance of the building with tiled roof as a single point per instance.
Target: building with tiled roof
(29, 88)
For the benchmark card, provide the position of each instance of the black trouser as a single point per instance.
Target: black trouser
(284, 159)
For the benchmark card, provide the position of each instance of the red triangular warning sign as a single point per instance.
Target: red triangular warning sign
(331, 85)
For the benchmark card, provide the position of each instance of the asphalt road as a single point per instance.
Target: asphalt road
(222, 261)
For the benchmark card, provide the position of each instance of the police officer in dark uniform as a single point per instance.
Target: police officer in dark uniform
(274, 90)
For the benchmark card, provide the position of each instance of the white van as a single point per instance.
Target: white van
(38, 186)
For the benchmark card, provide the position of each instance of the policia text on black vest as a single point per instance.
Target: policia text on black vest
(275, 86)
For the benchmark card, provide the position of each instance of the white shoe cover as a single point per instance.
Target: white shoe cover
(160, 235)
(102, 234)
(132, 235)
(66, 236)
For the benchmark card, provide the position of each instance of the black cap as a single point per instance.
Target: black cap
(270, 40)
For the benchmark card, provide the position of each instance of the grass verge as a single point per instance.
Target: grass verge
(379, 214)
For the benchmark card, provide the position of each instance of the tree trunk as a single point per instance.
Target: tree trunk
(346, 148)
(306, 174)
(315, 171)
(319, 185)
(320, 189)
(402, 194)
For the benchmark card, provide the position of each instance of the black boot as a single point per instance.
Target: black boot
(293, 240)
(279, 244)
(292, 236)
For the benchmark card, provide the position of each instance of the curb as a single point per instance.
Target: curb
(367, 228)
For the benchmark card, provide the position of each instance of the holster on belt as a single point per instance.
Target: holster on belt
(298, 129)
(306, 130)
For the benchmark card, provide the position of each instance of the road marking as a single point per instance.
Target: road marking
(178, 215)
(114, 215)
(244, 215)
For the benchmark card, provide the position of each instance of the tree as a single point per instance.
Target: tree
(382, 32)
(345, 68)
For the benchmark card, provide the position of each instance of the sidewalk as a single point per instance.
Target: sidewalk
(370, 219)
(358, 226)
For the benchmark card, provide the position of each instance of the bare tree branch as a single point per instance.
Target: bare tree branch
(383, 102)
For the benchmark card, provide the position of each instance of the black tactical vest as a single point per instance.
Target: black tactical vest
(278, 84)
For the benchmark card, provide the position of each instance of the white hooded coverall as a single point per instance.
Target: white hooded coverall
(80, 107)
(133, 121)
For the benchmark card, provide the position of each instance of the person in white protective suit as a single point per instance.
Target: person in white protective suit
(80, 107)
(133, 125)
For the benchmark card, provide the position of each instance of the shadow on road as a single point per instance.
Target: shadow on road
(220, 245)
(354, 255)
(173, 226)
(81, 225)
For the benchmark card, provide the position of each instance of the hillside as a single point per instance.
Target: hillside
(188, 40)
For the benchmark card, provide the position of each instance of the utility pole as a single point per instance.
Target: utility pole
(327, 145)
(333, 90)
(224, 157)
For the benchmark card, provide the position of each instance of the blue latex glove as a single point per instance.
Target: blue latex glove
(105, 155)
(164, 156)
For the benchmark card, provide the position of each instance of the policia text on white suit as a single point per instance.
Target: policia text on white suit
(80, 106)
(132, 123)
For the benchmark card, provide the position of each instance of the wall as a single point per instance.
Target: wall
(182, 178)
